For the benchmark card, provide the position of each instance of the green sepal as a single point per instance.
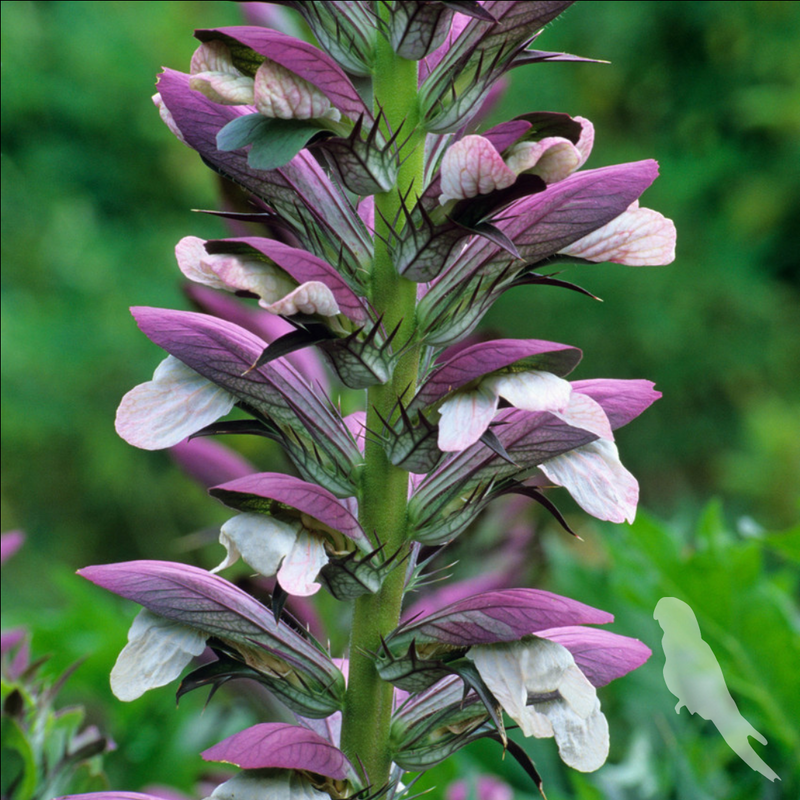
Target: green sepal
(428, 755)
(409, 671)
(312, 465)
(363, 165)
(275, 142)
(307, 700)
(362, 359)
(441, 520)
(350, 575)
(412, 444)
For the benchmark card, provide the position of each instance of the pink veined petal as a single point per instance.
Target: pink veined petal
(230, 272)
(302, 565)
(213, 56)
(192, 258)
(224, 88)
(585, 413)
(464, 418)
(639, 237)
(175, 404)
(313, 297)
(215, 76)
(552, 159)
(270, 283)
(472, 166)
(586, 140)
(281, 94)
(595, 477)
(533, 390)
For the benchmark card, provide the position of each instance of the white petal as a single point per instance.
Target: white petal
(464, 418)
(175, 404)
(595, 477)
(532, 391)
(544, 664)
(515, 670)
(281, 94)
(587, 414)
(302, 565)
(586, 140)
(639, 237)
(267, 784)
(577, 692)
(552, 159)
(157, 651)
(501, 669)
(261, 541)
(472, 166)
(221, 87)
(313, 297)
(582, 741)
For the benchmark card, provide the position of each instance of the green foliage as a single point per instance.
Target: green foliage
(743, 590)
(157, 741)
(46, 751)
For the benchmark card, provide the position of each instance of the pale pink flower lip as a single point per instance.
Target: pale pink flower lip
(471, 167)
(639, 237)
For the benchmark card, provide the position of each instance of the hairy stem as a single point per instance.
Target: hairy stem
(384, 488)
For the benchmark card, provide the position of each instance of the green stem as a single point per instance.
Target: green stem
(384, 487)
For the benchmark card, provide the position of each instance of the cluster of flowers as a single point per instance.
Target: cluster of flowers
(367, 186)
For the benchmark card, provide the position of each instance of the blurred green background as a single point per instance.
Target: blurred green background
(96, 192)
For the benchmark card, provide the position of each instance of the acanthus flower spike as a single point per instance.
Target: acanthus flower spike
(394, 223)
